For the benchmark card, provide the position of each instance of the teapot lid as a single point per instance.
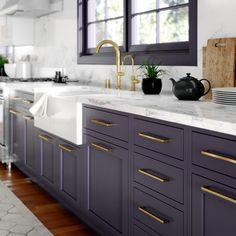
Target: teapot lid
(188, 77)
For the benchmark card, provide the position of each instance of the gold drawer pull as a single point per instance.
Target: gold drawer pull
(16, 98)
(160, 140)
(45, 138)
(65, 148)
(14, 112)
(103, 123)
(28, 117)
(98, 146)
(153, 176)
(212, 192)
(160, 220)
(219, 157)
(27, 101)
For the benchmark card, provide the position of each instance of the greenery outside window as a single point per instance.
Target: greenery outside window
(163, 31)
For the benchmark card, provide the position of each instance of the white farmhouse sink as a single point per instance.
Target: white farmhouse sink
(65, 111)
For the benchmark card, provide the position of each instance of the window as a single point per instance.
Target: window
(163, 31)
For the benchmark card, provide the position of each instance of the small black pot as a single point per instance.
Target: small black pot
(151, 85)
(2, 71)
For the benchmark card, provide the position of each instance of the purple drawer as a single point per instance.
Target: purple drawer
(107, 123)
(160, 138)
(214, 153)
(160, 177)
(157, 215)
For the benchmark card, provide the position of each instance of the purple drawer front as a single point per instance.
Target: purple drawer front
(107, 123)
(156, 214)
(160, 177)
(214, 153)
(160, 138)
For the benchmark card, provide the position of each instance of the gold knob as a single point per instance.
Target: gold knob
(107, 83)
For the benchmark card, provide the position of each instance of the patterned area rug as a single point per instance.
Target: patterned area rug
(16, 219)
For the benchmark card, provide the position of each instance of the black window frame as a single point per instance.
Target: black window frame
(168, 54)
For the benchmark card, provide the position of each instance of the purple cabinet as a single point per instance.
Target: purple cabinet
(107, 186)
(213, 208)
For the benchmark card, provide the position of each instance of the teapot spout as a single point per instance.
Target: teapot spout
(173, 81)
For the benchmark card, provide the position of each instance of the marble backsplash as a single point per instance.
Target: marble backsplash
(56, 44)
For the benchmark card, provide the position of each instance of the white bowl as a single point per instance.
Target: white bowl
(10, 70)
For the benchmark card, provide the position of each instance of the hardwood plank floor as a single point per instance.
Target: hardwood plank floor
(57, 219)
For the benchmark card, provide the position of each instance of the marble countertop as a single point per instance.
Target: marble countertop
(200, 114)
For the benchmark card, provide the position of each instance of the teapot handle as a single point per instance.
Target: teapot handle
(209, 84)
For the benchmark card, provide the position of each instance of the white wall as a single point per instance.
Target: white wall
(56, 41)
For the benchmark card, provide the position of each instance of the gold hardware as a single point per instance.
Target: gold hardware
(14, 112)
(219, 157)
(160, 140)
(28, 117)
(226, 198)
(107, 83)
(106, 149)
(133, 77)
(65, 148)
(27, 101)
(99, 122)
(161, 179)
(117, 49)
(44, 137)
(160, 220)
(16, 98)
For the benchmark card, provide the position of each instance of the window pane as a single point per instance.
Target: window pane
(95, 34)
(104, 9)
(143, 5)
(115, 31)
(96, 10)
(115, 8)
(144, 29)
(168, 3)
(174, 26)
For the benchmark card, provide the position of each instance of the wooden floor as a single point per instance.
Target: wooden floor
(58, 220)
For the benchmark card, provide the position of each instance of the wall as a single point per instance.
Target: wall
(55, 38)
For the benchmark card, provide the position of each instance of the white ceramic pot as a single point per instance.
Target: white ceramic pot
(23, 70)
(10, 70)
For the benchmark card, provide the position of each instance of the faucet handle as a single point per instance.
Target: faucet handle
(134, 81)
(121, 73)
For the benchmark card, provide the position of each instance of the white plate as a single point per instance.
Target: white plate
(225, 89)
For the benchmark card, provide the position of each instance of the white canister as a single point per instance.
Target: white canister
(23, 70)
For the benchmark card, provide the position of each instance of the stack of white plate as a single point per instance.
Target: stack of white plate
(224, 96)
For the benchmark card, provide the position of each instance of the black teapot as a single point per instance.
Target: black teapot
(189, 88)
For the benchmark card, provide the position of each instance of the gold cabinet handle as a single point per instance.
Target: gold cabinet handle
(102, 123)
(14, 112)
(16, 98)
(65, 148)
(159, 219)
(160, 140)
(219, 157)
(98, 146)
(28, 117)
(219, 195)
(153, 176)
(45, 137)
(27, 101)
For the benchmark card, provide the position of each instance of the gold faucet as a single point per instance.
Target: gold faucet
(133, 76)
(117, 49)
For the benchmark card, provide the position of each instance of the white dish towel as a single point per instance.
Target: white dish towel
(39, 109)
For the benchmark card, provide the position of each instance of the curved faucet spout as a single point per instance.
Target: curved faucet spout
(118, 61)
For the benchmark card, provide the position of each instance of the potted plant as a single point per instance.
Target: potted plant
(3, 60)
(151, 83)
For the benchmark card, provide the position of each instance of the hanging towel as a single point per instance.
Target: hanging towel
(39, 109)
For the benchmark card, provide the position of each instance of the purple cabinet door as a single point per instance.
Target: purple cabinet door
(107, 186)
(17, 136)
(213, 208)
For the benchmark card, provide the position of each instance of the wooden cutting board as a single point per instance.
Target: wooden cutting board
(219, 62)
